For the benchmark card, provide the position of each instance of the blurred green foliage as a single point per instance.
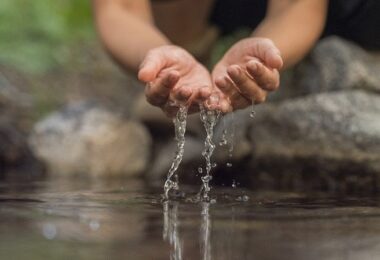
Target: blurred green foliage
(36, 35)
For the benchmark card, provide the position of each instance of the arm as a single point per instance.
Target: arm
(127, 31)
(170, 73)
(294, 26)
(250, 69)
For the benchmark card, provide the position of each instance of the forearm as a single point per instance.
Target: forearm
(294, 26)
(127, 31)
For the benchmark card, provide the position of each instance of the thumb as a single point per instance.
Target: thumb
(269, 54)
(152, 64)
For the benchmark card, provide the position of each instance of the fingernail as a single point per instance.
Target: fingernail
(234, 70)
(253, 65)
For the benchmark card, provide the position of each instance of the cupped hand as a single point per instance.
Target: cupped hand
(246, 73)
(174, 77)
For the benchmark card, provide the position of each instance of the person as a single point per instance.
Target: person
(152, 39)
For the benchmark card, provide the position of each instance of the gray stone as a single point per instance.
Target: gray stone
(16, 158)
(342, 126)
(85, 138)
(337, 64)
(335, 133)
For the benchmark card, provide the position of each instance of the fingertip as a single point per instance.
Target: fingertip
(184, 94)
(145, 75)
(220, 82)
(233, 71)
(254, 67)
(205, 93)
(225, 107)
(274, 60)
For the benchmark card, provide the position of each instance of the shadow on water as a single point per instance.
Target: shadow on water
(123, 219)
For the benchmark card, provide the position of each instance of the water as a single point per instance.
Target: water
(232, 140)
(252, 114)
(124, 219)
(180, 130)
(209, 119)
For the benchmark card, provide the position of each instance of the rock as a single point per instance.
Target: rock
(335, 133)
(85, 138)
(337, 64)
(340, 125)
(16, 159)
(334, 64)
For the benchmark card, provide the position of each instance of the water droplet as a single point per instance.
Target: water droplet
(223, 142)
(49, 231)
(214, 165)
(229, 164)
(253, 113)
(200, 170)
(94, 225)
(245, 198)
(233, 184)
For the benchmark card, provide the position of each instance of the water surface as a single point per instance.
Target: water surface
(117, 219)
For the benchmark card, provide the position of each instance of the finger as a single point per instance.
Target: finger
(225, 106)
(158, 91)
(218, 101)
(269, 53)
(181, 94)
(170, 110)
(151, 66)
(228, 87)
(268, 79)
(246, 85)
(199, 96)
(204, 93)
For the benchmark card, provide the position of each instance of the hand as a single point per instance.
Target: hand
(246, 73)
(174, 77)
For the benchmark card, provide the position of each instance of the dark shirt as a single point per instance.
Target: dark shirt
(356, 20)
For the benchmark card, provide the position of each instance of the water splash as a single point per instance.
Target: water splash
(180, 130)
(231, 141)
(223, 140)
(209, 119)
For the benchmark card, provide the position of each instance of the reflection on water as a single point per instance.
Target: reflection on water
(205, 232)
(171, 234)
(125, 220)
(170, 230)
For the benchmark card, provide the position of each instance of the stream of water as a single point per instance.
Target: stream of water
(180, 130)
(209, 119)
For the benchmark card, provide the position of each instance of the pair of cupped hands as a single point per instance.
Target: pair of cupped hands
(244, 76)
